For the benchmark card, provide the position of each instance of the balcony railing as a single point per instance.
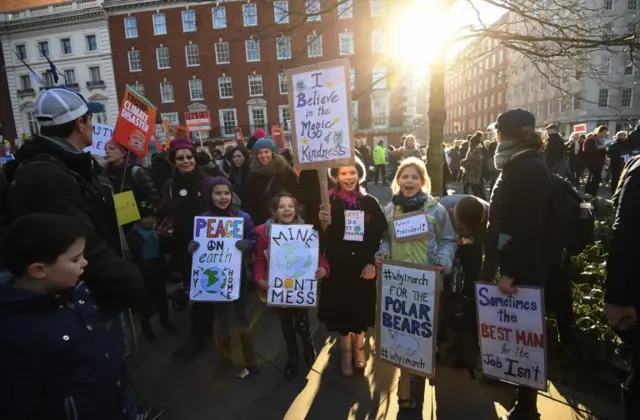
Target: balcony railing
(72, 85)
(92, 84)
(26, 92)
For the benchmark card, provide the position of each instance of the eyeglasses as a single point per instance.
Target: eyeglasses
(183, 158)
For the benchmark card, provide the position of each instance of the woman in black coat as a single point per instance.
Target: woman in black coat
(269, 175)
(239, 169)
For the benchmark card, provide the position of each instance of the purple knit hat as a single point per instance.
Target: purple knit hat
(177, 144)
(208, 184)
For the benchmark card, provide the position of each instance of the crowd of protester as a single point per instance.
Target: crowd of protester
(71, 273)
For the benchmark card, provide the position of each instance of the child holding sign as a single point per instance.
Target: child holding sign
(355, 227)
(218, 202)
(425, 237)
(284, 208)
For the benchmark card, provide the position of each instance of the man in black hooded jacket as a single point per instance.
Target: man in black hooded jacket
(51, 174)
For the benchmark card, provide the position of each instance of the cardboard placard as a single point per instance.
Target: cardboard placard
(197, 120)
(180, 132)
(126, 208)
(217, 264)
(513, 336)
(407, 316)
(293, 260)
(136, 122)
(101, 135)
(410, 226)
(321, 115)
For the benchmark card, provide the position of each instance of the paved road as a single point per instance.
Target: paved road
(190, 393)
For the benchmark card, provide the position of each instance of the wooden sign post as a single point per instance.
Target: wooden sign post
(321, 119)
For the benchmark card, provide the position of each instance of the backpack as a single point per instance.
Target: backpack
(570, 232)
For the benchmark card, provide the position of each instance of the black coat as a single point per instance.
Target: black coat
(518, 220)
(555, 150)
(50, 176)
(136, 179)
(57, 359)
(257, 193)
(161, 169)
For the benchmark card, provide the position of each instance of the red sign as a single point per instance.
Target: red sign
(237, 131)
(180, 132)
(136, 123)
(580, 128)
(198, 120)
(277, 135)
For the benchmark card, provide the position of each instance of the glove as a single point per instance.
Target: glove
(193, 246)
(243, 245)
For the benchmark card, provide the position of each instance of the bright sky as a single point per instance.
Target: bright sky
(418, 34)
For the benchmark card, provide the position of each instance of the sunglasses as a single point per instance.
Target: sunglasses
(183, 158)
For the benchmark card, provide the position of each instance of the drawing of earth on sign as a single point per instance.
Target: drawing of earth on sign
(213, 280)
(293, 259)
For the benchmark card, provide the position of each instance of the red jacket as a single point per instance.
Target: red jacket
(261, 264)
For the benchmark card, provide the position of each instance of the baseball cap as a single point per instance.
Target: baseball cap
(58, 105)
(514, 119)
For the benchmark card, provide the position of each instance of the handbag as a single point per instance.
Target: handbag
(165, 227)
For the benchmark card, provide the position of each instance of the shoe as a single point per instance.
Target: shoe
(345, 347)
(291, 369)
(247, 372)
(360, 360)
(150, 412)
(189, 350)
(406, 404)
(168, 326)
(148, 335)
(521, 414)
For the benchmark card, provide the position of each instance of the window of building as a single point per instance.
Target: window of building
(281, 11)
(92, 43)
(284, 117)
(173, 119)
(195, 90)
(500, 56)
(493, 100)
(377, 7)
(222, 53)
(314, 45)
(627, 98)
(193, 55)
(225, 87)
(379, 78)
(603, 98)
(282, 83)
(255, 85)
(101, 117)
(377, 42)
(486, 102)
(162, 58)
(346, 43)
(345, 9)
(25, 82)
(43, 49)
(135, 63)
(354, 113)
(608, 5)
(250, 14)
(632, 4)
(130, 27)
(94, 74)
(70, 76)
(605, 66)
(253, 49)
(21, 51)
(258, 117)
(188, 21)
(576, 103)
(166, 92)
(139, 88)
(352, 78)
(493, 80)
(499, 98)
(47, 78)
(380, 111)
(160, 24)
(228, 121)
(629, 67)
(493, 60)
(313, 9)
(32, 123)
(65, 46)
(219, 17)
(283, 48)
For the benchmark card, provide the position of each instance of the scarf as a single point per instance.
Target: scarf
(350, 198)
(409, 204)
(507, 150)
(269, 170)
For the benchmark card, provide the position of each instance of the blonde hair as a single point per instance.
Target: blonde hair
(621, 134)
(419, 165)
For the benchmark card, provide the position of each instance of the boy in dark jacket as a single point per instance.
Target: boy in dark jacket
(144, 245)
(57, 359)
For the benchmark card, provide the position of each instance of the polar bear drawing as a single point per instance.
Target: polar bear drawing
(404, 342)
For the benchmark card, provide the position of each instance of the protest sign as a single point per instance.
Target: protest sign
(136, 122)
(180, 132)
(580, 128)
(513, 335)
(406, 316)
(237, 132)
(320, 97)
(217, 264)
(229, 143)
(197, 120)
(277, 136)
(126, 208)
(410, 226)
(293, 261)
(101, 135)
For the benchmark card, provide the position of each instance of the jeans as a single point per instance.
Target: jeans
(595, 176)
(380, 172)
(119, 333)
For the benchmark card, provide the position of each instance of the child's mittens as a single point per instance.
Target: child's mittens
(193, 246)
(243, 245)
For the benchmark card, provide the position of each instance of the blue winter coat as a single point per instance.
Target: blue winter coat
(57, 359)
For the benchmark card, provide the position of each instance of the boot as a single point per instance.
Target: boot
(249, 357)
(630, 405)
(525, 407)
(345, 347)
(304, 330)
(224, 365)
(291, 369)
(360, 360)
